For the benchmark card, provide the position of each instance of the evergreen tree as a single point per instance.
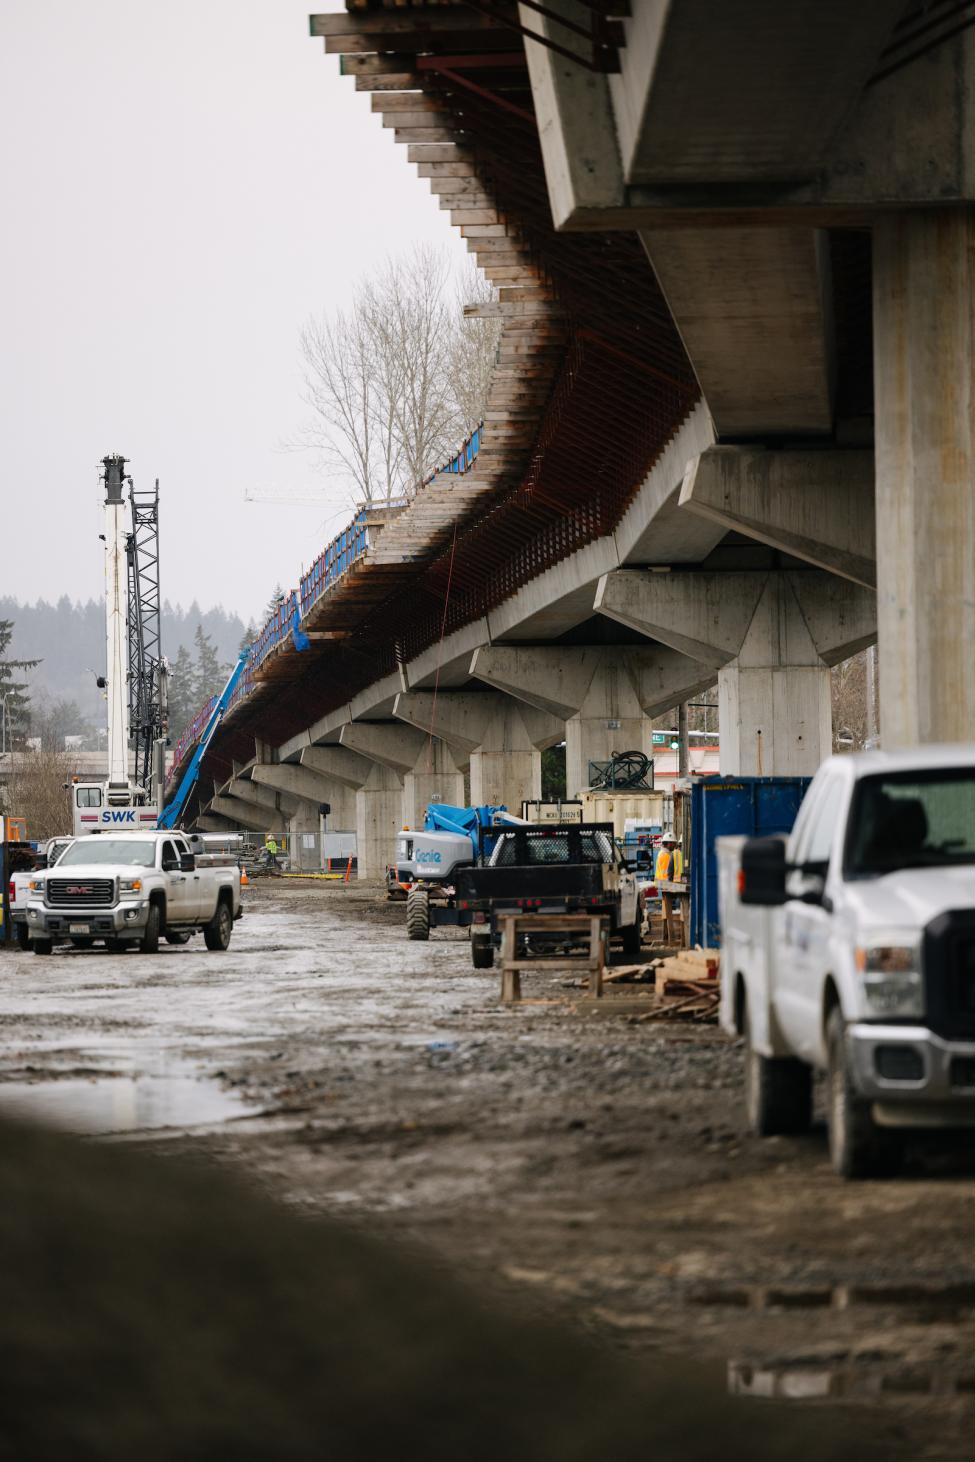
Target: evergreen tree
(209, 675)
(182, 707)
(274, 603)
(14, 700)
(247, 638)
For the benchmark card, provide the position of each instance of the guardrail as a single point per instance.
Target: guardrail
(191, 735)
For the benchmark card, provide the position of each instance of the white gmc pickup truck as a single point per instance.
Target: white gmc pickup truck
(850, 948)
(131, 889)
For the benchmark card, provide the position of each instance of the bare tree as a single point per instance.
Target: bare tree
(474, 349)
(38, 792)
(396, 382)
(848, 693)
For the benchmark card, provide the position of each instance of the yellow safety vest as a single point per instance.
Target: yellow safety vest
(669, 868)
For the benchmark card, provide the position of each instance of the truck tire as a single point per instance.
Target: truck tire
(23, 936)
(482, 951)
(778, 1092)
(418, 914)
(632, 935)
(149, 943)
(858, 1148)
(216, 934)
(177, 936)
(43, 946)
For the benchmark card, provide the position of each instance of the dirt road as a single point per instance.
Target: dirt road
(573, 1159)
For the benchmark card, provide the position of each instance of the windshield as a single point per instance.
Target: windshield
(912, 820)
(108, 850)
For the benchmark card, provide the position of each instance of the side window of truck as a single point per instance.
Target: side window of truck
(819, 833)
(88, 797)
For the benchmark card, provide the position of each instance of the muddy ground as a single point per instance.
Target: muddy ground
(563, 1158)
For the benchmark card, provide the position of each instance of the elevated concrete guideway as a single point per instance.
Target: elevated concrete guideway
(687, 440)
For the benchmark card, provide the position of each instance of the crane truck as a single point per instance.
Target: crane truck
(135, 671)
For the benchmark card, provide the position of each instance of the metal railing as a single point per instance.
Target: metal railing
(335, 560)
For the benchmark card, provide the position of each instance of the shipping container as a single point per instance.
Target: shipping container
(647, 808)
(727, 807)
(539, 810)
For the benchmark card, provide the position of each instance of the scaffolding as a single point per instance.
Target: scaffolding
(147, 711)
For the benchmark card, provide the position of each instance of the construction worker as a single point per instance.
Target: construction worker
(670, 860)
(271, 845)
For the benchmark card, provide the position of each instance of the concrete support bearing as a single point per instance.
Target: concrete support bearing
(924, 340)
(500, 738)
(606, 695)
(770, 637)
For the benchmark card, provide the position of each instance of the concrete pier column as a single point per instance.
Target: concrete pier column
(424, 772)
(770, 638)
(500, 738)
(249, 815)
(605, 694)
(924, 337)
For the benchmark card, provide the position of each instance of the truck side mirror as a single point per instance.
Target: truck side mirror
(187, 862)
(761, 876)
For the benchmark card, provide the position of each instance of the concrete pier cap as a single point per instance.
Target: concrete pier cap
(770, 636)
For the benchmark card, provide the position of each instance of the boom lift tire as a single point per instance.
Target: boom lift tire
(858, 1148)
(418, 914)
(778, 1091)
(216, 934)
(149, 943)
(482, 951)
(633, 937)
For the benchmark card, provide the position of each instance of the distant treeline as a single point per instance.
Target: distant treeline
(69, 639)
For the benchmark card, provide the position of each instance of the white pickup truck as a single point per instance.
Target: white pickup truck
(850, 948)
(131, 889)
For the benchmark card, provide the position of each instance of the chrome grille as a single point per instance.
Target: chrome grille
(80, 893)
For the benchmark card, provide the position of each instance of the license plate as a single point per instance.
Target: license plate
(78, 928)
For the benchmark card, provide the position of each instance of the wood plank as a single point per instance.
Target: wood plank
(409, 135)
(405, 101)
(430, 18)
(446, 170)
(393, 82)
(374, 65)
(418, 119)
(413, 42)
(453, 153)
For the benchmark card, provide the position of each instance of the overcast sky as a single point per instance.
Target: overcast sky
(183, 184)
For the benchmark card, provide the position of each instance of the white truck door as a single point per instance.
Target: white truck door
(197, 884)
(180, 902)
(800, 967)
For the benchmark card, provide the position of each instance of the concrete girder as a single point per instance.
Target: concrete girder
(751, 307)
(209, 822)
(248, 814)
(817, 506)
(338, 763)
(605, 694)
(772, 637)
(299, 783)
(501, 739)
(251, 791)
(425, 763)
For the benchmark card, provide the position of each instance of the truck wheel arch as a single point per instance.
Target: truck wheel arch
(158, 897)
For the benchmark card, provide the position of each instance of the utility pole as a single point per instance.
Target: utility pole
(683, 747)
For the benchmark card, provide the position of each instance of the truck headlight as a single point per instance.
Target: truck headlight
(130, 885)
(36, 885)
(891, 978)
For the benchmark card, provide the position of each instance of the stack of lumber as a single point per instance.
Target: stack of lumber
(687, 986)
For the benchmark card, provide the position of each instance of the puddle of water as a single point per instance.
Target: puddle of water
(120, 1103)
